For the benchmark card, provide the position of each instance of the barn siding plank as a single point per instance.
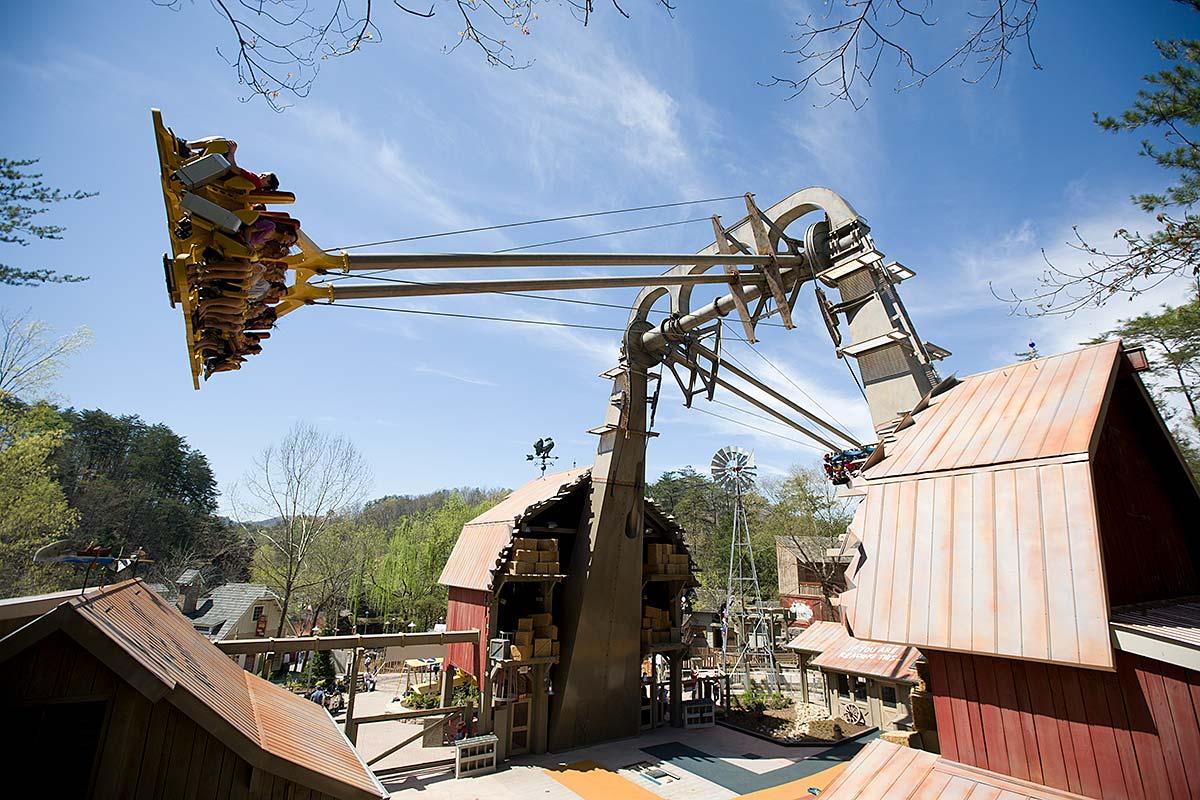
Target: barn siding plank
(978, 741)
(1121, 732)
(176, 769)
(1141, 729)
(942, 706)
(1010, 719)
(995, 745)
(210, 775)
(1054, 675)
(1160, 709)
(1028, 728)
(1112, 779)
(958, 707)
(1187, 727)
(1054, 768)
(152, 754)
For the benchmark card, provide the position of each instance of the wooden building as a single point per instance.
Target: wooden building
(800, 582)
(1033, 530)
(113, 693)
(867, 683)
(508, 574)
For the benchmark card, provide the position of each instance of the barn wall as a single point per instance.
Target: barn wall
(467, 609)
(1129, 734)
(1141, 488)
(146, 750)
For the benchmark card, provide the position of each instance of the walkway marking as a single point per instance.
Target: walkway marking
(798, 789)
(591, 781)
(742, 781)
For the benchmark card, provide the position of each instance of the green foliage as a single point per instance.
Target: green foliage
(417, 700)
(705, 510)
(757, 700)
(466, 695)
(35, 510)
(1171, 337)
(403, 581)
(136, 484)
(319, 669)
(24, 199)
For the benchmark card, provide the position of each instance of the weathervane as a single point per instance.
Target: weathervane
(541, 453)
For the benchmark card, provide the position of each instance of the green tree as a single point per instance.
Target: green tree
(24, 200)
(35, 509)
(1168, 106)
(30, 357)
(404, 580)
(1171, 337)
(136, 484)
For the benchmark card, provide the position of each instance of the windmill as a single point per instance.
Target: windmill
(734, 470)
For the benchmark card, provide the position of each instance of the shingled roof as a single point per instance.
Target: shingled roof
(217, 611)
(149, 644)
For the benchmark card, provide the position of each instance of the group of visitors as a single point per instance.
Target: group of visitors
(237, 287)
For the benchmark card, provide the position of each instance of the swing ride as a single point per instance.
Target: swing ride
(229, 268)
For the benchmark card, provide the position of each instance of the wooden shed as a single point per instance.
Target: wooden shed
(115, 694)
(862, 682)
(507, 575)
(1018, 527)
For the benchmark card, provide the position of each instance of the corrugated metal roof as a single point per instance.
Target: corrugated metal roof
(480, 548)
(872, 659)
(284, 725)
(819, 636)
(882, 769)
(1036, 409)
(1177, 621)
(1000, 562)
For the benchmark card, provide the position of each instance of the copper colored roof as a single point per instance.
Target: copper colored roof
(893, 662)
(1177, 621)
(979, 530)
(819, 637)
(1036, 409)
(882, 769)
(482, 545)
(250, 715)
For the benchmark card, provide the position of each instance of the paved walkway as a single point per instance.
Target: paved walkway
(706, 764)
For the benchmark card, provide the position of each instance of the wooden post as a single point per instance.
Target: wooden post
(351, 725)
(266, 665)
(676, 666)
(803, 659)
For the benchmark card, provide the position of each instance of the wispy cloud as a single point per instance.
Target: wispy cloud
(474, 381)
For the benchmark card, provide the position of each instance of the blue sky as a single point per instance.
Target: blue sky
(963, 183)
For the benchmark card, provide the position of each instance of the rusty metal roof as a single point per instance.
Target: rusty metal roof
(979, 530)
(1036, 409)
(1000, 562)
(893, 662)
(882, 769)
(285, 728)
(819, 636)
(482, 546)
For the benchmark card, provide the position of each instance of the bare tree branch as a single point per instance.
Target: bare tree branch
(847, 45)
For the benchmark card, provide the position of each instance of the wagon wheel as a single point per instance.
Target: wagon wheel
(854, 715)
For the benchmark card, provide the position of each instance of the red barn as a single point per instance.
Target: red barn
(1033, 531)
(507, 575)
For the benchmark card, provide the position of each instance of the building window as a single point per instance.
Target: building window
(257, 613)
(887, 694)
(860, 690)
(843, 686)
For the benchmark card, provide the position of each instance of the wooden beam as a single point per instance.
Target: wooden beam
(351, 724)
(399, 715)
(300, 644)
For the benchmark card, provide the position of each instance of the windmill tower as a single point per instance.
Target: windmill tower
(733, 469)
